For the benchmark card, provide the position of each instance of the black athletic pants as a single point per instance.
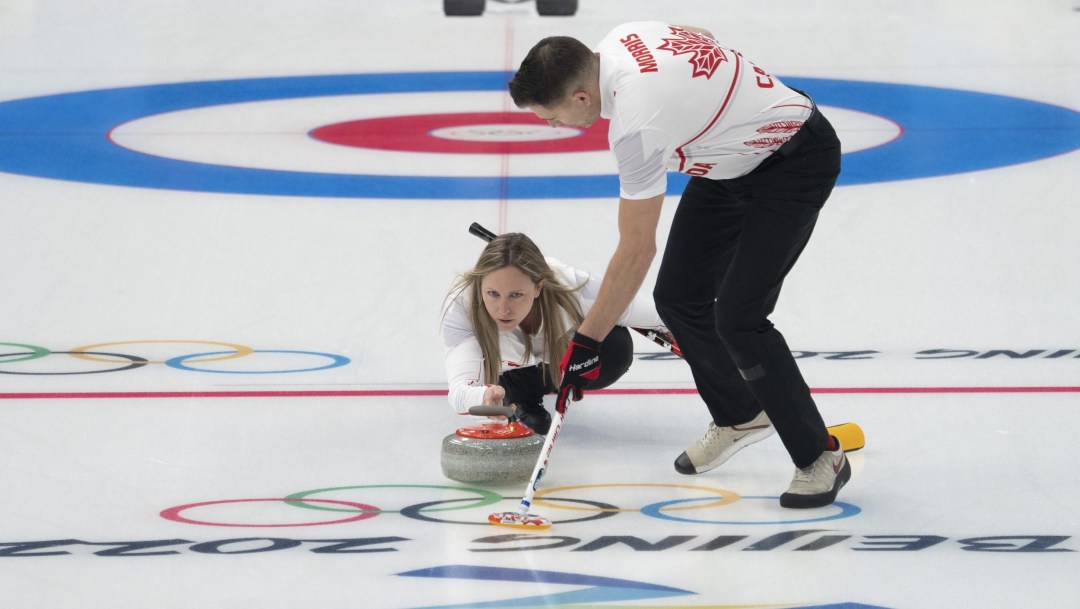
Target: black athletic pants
(528, 386)
(731, 244)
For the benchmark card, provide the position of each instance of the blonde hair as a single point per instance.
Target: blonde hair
(560, 311)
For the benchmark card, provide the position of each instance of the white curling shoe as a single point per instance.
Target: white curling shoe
(720, 443)
(817, 485)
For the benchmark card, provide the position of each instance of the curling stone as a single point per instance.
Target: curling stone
(492, 453)
(463, 8)
(558, 8)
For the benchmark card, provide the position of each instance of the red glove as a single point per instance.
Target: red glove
(580, 365)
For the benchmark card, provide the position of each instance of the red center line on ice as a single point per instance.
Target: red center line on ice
(395, 393)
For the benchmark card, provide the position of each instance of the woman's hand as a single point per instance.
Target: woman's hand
(493, 395)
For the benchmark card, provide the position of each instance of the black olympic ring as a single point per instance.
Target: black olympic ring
(413, 511)
(136, 362)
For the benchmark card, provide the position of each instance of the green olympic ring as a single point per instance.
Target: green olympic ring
(35, 353)
(486, 497)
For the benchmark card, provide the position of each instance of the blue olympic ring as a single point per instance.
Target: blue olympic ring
(66, 137)
(336, 361)
(847, 510)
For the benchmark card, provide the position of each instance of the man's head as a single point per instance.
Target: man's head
(559, 81)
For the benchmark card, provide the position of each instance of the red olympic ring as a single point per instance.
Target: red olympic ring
(366, 512)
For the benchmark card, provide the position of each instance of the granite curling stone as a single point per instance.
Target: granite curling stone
(492, 453)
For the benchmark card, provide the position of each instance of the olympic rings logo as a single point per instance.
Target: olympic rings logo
(345, 509)
(102, 359)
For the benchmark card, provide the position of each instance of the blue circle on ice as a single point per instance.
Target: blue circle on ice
(66, 137)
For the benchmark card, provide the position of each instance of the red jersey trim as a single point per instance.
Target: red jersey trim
(716, 118)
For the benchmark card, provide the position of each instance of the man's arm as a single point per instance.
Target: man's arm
(629, 265)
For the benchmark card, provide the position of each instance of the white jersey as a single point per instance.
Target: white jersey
(465, 361)
(678, 101)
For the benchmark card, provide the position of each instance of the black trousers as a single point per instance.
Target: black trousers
(732, 243)
(528, 386)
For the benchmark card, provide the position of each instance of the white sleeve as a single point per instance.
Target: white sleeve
(640, 314)
(642, 166)
(464, 367)
(464, 359)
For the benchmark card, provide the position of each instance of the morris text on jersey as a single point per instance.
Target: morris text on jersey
(641, 54)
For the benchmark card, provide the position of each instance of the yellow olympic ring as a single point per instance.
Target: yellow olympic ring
(241, 350)
(726, 497)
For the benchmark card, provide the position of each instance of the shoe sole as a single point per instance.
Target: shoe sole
(686, 467)
(803, 502)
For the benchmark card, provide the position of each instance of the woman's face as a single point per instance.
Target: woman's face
(509, 295)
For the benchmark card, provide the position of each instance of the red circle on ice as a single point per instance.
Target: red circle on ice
(466, 132)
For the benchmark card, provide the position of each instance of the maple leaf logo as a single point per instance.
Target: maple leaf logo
(706, 55)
